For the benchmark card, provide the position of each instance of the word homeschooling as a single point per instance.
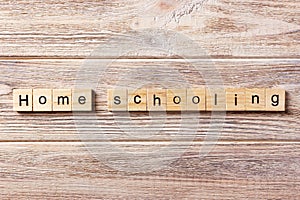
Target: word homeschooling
(191, 99)
(197, 99)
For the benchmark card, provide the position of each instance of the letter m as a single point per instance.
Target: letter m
(62, 99)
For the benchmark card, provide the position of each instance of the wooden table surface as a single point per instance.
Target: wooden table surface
(103, 155)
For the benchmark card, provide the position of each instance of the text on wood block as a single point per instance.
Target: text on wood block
(197, 99)
(47, 100)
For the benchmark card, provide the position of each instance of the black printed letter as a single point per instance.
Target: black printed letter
(26, 100)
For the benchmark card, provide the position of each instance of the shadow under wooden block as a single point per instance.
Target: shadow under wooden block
(176, 99)
(235, 99)
(156, 100)
(42, 100)
(62, 99)
(117, 99)
(22, 100)
(215, 99)
(196, 99)
(82, 100)
(255, 99)
(275, 99)
(137, 99)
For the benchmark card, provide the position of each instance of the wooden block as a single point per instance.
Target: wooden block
(255, 99)
(156, 100)
(42, 100)
(117, 99)
(196, 99)
(215, 99)
(235, 99)
(275, 99)
(176, 99)
(22, 100)
(82, 100)
(137, 99)
(62, 99)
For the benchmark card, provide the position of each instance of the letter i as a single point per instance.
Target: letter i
(216, 99)
(235, 99)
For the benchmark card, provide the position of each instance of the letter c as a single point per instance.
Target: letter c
(135, 99)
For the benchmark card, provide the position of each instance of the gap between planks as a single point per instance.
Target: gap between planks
(143, 58)
(147, 142)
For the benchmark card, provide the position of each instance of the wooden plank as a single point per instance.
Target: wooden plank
(224, 28)
(229, 171)
(59, 73)
(128, 188)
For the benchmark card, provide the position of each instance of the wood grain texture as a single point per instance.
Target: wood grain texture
(283, 126)
(104, 155)
(231, 170)
(224, 28)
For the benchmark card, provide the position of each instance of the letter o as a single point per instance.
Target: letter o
(179, 99)
(197, 99)
(44, 100)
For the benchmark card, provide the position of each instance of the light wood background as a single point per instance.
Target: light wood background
(252, 43)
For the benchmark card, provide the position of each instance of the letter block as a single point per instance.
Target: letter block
(82, 100)
(176, 99)
(42, 100)
(235, 99)
(22, 100)
(156, 100)
(137, 99)
(255, 99)
(196, 100)
(117, 99)
(62, 100)
(275, 99)
(215, 99)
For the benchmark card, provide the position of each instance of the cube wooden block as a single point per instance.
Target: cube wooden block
(42, 100)
(196, 99)
(137, 99)
(235, 99)
(62, 99)
(22, 100)
(82, 100)
(156, 100)
(176, 99)
(117, 99)
(275, 99)
(215, 99)
(255, 99)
